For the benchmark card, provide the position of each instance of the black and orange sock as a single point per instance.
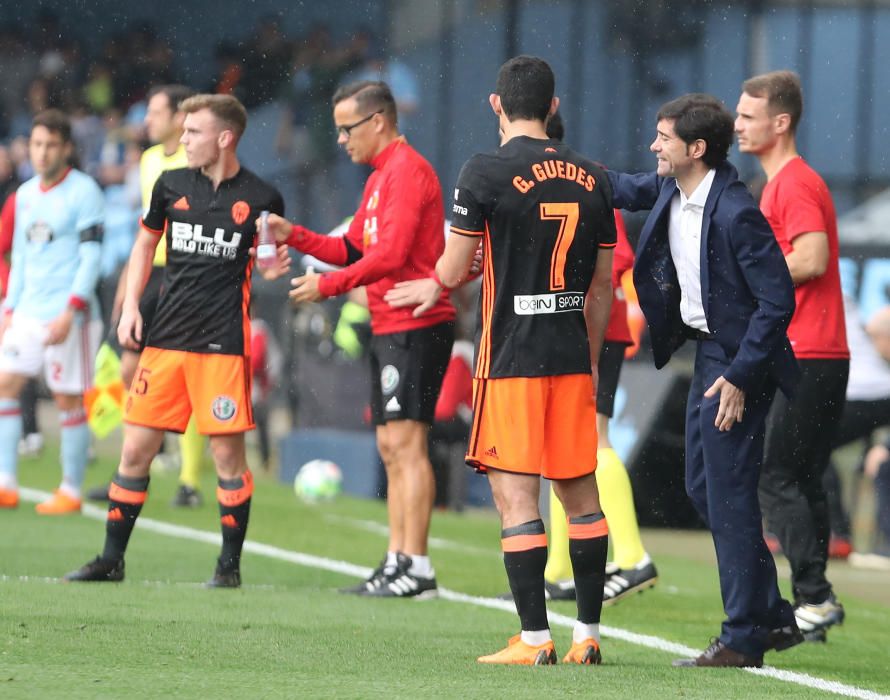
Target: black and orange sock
(588, 549)
(126, 497)
(234, 512)
(525, 556)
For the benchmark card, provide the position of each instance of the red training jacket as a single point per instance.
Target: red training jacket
(396, 235)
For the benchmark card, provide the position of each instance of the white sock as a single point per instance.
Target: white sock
(420, 566)
(69, 490)
(391, 561)
(536, 638)
(645, 561)
(8, 481)
(582, 632)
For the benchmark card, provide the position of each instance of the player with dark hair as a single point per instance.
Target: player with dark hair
(396, 235)
(708, 268)
(544, 216)
(50, 318)
(799, 208)
(196, 358)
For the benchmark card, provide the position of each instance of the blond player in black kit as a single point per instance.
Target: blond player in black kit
(196, 359)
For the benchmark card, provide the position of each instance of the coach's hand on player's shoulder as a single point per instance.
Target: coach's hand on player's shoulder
(279, 226)
(732, 403)
(58, 329)
(305, 288)
(129, 330)
(476, 265)
(281, 269)
(422, 293)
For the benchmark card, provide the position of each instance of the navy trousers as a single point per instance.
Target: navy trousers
(722, 474)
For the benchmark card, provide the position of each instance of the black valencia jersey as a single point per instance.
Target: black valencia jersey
(204, 298)
(543, 211)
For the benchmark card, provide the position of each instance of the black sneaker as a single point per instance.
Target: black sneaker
(403, 584)
(98, 493)
(374, 582)
(782, 638)
(186, 497)
(622, 582)
(224, 578)
(98, 570)
(561, 590)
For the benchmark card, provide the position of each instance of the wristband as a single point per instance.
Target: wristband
(75, 303)
(435, 277)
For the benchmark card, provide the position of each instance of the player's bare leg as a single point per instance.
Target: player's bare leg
(394, 511)
(408, 449)
(410, 496)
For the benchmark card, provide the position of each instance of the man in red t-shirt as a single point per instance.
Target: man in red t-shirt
(798, 206)
(396, 235)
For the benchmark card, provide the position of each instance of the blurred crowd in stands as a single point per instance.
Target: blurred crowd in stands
(104, 89)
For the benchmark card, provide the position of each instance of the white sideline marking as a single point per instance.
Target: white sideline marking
(343, 567)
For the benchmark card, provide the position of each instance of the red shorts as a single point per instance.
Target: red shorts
(170, 385)
(534, 425)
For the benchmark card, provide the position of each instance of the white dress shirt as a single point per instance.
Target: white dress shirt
(684, 235)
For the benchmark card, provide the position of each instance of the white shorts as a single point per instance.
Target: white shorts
(68, 367)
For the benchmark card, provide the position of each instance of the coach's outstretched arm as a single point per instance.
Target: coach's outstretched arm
(453, 269)
(634, 192)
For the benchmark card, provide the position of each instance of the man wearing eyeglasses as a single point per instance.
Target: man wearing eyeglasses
(396, 235)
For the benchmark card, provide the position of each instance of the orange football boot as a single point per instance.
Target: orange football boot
(9, 498)
(59, 504)
(586, 652)
(518, 652)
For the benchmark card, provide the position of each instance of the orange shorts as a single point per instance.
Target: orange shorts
(534, 425)
(170, 385)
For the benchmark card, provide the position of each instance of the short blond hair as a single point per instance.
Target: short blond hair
(225, 108)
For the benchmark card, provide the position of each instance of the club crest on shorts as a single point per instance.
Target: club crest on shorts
(223, 408)
(389, 379)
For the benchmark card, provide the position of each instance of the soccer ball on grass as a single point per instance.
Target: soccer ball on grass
(318, 480)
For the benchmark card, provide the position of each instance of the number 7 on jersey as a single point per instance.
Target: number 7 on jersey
(567, 213)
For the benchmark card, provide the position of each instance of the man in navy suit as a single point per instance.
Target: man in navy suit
(708, 268)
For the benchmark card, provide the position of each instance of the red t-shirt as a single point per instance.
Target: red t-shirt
(7, 226)
(797, 201)
(617, 331)
(396, 235)
(456, 396)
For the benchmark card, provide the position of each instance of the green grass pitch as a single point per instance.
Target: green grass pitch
(287, 633)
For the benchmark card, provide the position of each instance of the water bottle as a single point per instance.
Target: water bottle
(267, 247)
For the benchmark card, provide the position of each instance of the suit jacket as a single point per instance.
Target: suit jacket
(747, 292)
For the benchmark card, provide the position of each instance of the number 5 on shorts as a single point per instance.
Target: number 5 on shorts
(140, 381)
